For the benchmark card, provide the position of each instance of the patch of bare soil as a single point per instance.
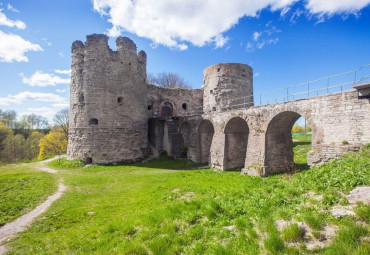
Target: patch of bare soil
(308, 238)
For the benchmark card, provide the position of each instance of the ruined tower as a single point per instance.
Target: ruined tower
(227, 84)
(108, 108)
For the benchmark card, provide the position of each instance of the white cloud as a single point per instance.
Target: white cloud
(256, 36)
(61, 54)
(284, 11)
(4, 21)
(13, 47)
(330, 7)
(68, 72)
(220, 41)
(46, 112)
(44, 79)
(176, 23)
(11, 8)
(296, 14)
(61, 90)
(46, 41)
(263, 38)
(62, 105)
(33, 96)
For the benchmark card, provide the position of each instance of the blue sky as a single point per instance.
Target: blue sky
(285, 41)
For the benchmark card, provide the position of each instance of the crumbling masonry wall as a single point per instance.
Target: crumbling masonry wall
(115, 116)
(336, 119)
(108, 108)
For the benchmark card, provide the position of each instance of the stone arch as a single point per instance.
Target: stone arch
(206, 132)
(166, 109)
(236, 142)
(279, 156)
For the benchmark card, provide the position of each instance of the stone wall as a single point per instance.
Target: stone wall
(226, 85)
(336, 119)
(108, 108)
(116, 117)
(184, 102)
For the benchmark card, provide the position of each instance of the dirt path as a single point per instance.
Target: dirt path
(20, 224)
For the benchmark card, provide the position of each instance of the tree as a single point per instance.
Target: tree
(61, 120)
(35, 121)
(32, 145)
(167, 80)
(4, 133)
(9, 118)
(297, 129)
(54, 143)
(14, 149)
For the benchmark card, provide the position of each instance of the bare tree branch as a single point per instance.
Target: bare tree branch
(61, 120)
(168, 80)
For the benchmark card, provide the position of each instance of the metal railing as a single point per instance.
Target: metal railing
(325, 85)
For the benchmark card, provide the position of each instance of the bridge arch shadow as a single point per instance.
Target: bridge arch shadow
(206, 132)
(236, 142)
(279, 156)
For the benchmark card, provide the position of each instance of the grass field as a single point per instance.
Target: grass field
(301, 146)
(21, 190)
(157, 208)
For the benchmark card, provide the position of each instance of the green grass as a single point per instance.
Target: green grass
(292, 233)
(301, 146)
(363, 211)
(21, 189)
(158, 208)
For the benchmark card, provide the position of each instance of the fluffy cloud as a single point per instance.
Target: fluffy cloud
(330, 7)
(45, 79)
(4, 21)
(175, 23)
(61, 90)
(13, 47)
(35, 96)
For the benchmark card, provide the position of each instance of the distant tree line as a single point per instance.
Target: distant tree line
(299, 129)
(31, 136)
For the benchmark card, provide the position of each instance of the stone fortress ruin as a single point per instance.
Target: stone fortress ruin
(115, 116)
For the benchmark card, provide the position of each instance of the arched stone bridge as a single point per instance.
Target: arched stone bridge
(258, 139)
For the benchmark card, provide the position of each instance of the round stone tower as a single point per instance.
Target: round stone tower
(108, 108)
(227, 86)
